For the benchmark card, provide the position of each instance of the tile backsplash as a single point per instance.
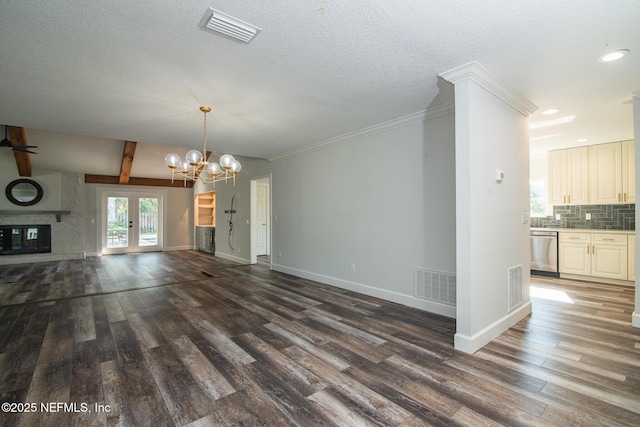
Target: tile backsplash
(603, 217)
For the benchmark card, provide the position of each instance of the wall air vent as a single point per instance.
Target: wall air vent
(229, 26)
(435, 286)
(514, 285)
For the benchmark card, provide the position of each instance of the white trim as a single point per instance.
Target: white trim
(493, 84)
(351, 136)
(31, 258)
(474, 343)
(232, 258)
(408, 300)
(179, 248)
(635, 320)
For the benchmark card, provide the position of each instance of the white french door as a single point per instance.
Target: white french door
(131, 222)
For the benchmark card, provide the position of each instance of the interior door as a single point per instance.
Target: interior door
(131, 222)
(261, 218)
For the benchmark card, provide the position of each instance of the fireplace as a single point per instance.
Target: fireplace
(25, 239)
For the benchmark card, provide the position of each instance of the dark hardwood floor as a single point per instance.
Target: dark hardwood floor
(182, 338)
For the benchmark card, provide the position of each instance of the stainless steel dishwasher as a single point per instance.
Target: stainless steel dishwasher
(544, 253)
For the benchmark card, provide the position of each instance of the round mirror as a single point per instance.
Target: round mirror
(24, 192)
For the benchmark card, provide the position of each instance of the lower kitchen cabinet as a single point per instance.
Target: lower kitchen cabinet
(594, 254)
(574, 253)
(206, 239)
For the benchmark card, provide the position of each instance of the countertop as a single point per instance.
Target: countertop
(583, 230)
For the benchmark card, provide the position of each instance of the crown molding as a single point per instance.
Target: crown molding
(477, 73)
(420, 116)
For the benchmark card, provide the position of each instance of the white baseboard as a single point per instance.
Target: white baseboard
(471, 344)
(408, 300)
(635, 319)
(232, 258)
(178, 248)
(31, 258)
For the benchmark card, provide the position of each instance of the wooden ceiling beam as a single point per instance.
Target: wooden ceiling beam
(127, 162)
(23, 161)
(150, 182)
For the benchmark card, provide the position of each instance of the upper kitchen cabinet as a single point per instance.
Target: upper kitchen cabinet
(628, 171)
(568, 176)
(612, 173)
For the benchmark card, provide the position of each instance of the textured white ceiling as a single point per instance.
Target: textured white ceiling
(139, 70)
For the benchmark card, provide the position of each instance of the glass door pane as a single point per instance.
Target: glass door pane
(117, 222)
(147, 221)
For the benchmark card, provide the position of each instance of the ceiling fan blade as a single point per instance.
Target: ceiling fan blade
(24, 149)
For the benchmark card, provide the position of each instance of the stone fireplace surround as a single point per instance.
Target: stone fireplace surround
(67, 235)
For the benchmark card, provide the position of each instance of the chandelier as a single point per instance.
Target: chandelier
(196, 166)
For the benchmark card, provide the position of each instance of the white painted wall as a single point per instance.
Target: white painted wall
(377, 203)
(490, 134)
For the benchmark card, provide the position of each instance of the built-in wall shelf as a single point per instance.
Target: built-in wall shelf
(58, 214)
(205, 209)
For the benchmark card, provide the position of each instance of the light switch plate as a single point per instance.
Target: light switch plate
(558, 217)
(587, 216)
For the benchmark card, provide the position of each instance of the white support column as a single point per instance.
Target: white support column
(492, 226)
(635, 317)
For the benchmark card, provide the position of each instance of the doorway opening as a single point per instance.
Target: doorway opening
(260, 219)
(131, 222)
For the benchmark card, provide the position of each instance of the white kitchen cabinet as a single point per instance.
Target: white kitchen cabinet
(631, 256)
(568, 176)
(628, 172)
(593, 254)
(605, 174)
(609, 256)
(574, 253)
(612, 173)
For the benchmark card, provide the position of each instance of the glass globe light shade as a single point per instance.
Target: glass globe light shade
(236, 166)
(185, 166)
(214, 169)
(172, 160)
(194, 157)
(226, 161)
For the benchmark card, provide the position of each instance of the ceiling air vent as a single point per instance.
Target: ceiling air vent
(229, 26)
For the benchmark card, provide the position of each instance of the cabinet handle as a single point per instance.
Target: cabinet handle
(569, 198)
(593, 249)
(608, 240)
(619, 197)
(625, 197)
(587, 249)
(574, 238)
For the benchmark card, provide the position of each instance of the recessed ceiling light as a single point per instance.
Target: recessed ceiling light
(550, 111)
(613, 56)
(583, 140)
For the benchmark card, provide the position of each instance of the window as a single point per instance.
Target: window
(537, 197)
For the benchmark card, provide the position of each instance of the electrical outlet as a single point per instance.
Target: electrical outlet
(279, 254)
(587, 216)
(558, 217)
(353, 267)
